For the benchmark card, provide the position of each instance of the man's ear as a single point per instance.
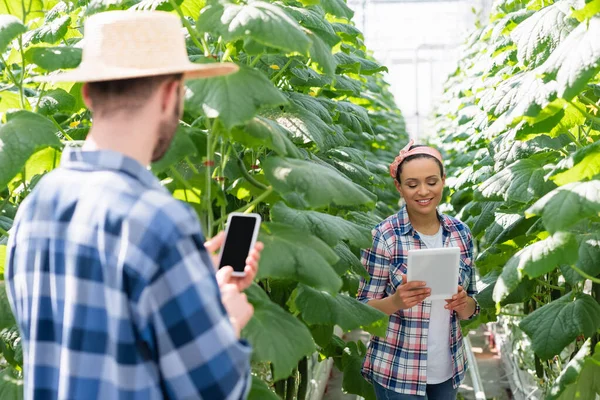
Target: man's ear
(170, 96)
(85, 94)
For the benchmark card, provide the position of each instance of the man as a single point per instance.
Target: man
(108, 277)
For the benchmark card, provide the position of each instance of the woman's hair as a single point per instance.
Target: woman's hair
(414, 157)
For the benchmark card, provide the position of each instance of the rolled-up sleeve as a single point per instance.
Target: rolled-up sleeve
(376, 261)
(198, 352)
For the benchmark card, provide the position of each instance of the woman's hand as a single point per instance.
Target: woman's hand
(461, 303)
(409, 294)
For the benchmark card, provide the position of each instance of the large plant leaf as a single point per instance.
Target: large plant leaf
(540, 34)
(521, 181)
(356, 64)
(11, 384)
(348, 261)
(576, 60)
(234, 99)
(261, 131)
(555, 325)
(10, 28)
(319, 186)
(567, 205)
(293, 254)
(270, 333)
(260, 390)
(51, 31)
(329, 228)
(314, 19)
(579, 379)
(535, 260)
(7, 319)
(566, 118)
(54, 58)
(353, 357)
(57, 100)
(322, 308)
(582, 165)
(266, 23)
(24, 134)
(337, 8)
(307, 127)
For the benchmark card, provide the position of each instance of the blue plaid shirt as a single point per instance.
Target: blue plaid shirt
(113, 291)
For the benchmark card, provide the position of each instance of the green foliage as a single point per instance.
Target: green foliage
(301, 134)
(520, 128)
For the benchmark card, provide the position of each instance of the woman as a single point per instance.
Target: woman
(422, 354)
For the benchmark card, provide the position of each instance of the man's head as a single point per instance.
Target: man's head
(157, 99)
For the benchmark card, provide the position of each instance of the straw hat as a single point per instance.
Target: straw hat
(135, 44)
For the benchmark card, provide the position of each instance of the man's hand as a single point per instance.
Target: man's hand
(224, 274)
(236, 303)
(409, 294)
(461, 303)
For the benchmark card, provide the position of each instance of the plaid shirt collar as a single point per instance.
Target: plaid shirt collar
(97, 160)
(406, 227)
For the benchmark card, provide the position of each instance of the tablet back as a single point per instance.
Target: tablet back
(438, 267)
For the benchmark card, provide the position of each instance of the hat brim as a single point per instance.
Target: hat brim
(85, 73)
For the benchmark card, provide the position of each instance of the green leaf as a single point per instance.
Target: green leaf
(337, 8)
(320, 52)
(7, 319)
(322, 334)
(314, 19)
(292, 254)
(11, 101)
(10, 29)
(51, 31)
(579, 379)
(589, 253)
(566, 319)
(321, 308)
(307, 127)
(261, 131)
(591, 9)
(353, 382)
(267, 24)
(521, 181)
(23, 135)
(57, 100)
(269, 332)
(260, 390)
(560, 123)
(348, 261)
(234, 99)
(312, 104)
(2, 253)
(181, 147)
(541, 33)
(354, 117)
(536, 260)
(576, 60)
(356, 64)
(54, 58)
(486, 218)
(582, 165)
(319, 186)
(567, 205)
(329, 228)
(11, 384)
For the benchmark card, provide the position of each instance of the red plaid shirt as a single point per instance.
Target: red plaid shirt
(398, 361)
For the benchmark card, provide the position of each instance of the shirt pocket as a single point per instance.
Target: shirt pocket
(395, 278)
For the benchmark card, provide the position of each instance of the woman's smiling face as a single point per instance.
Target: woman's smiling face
(421, 185)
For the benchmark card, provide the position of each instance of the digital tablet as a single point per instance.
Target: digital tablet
(438, 267)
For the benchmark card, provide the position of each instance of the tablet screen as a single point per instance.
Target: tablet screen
(438, 267)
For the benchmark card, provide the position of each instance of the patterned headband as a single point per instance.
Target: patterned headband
(405, 152)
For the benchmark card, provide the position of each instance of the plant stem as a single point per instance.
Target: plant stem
(248, 206)
(585, 275)
(291, 386)
(205, 46)
(256, 60)
(303, 385)
(281, 71)
(208, 176)
(226, 55)
(585, 113)
(3, 232)
(12, 77)
(21, 90)
(191, 165)
(247, 176)
(186, 23)
(62, 131)
(548, 285)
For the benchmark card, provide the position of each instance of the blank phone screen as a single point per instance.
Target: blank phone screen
(237, 242)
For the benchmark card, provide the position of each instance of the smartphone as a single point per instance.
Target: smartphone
(240, 236)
